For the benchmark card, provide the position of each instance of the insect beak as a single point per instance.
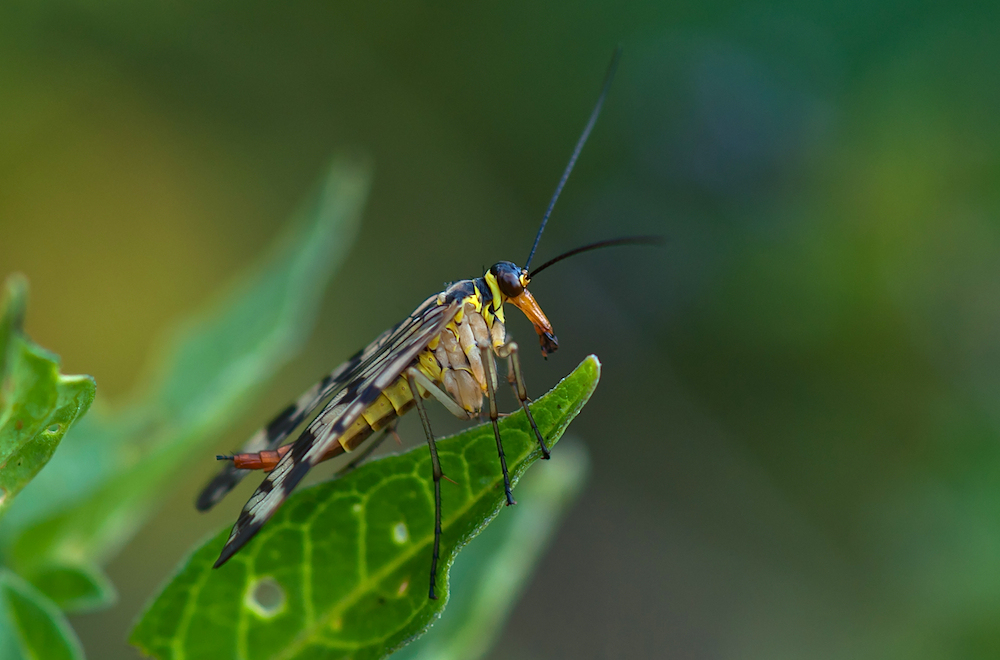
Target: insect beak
(526, 303)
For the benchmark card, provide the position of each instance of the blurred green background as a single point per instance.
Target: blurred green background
(795, 446)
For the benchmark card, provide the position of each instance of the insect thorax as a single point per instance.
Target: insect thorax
(454, 358)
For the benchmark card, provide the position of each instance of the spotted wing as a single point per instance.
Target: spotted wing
(373, 375)
(279, 428)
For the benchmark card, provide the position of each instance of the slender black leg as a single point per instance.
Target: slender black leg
(491, 367)
(436, 466)
(517, 382)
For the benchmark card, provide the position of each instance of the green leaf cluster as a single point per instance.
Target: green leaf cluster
(37, 407)
(341, 570)
(109, 473)
(37, 403)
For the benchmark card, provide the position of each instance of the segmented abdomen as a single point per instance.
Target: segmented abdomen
(452, 360)
(394, 402)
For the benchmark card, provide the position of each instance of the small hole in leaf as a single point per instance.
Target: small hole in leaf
(266, 598)
(400, 534)
(53, 429)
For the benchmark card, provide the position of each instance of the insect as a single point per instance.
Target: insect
(446, 349)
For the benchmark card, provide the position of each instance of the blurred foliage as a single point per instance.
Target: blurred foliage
(104, 482)
(37, 407)
(345, 563)
(37, 403)
(110, 474)
(796, 444)
(31, 625)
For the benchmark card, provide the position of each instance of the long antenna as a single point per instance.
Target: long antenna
(628, 240)
(579, 146)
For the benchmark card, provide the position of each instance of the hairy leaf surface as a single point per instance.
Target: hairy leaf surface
(488, 576)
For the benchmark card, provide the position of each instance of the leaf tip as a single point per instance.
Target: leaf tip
(590, 369)
(15, 298)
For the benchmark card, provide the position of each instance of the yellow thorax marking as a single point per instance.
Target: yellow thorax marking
(476, 300)
(491, 281)
(429, 365)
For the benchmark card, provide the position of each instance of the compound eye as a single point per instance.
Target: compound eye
(510, 283)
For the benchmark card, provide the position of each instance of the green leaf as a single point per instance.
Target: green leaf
(37, 403)
(31, 626)
(342, 568)
(490, 573)
(12, 311)
(103, 484)
(75, 588)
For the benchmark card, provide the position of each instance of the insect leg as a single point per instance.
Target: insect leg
(509, 351)
(440, 395)
(436, 466)
(494, 415)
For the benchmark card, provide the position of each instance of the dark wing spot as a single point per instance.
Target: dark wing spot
(302, 445)
(217, 488)
(279, 425)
